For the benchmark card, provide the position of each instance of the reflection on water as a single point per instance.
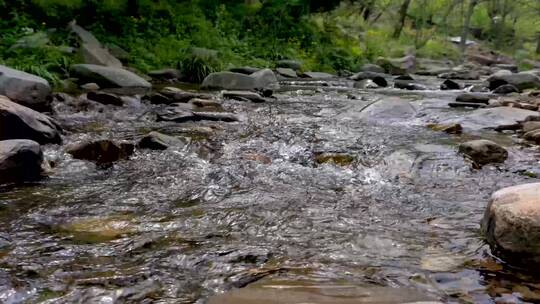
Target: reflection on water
(304, 190)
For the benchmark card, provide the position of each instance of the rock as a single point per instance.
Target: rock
(105, 98)
(460, 74)
(511, 224)
(170, 95)
(483, 152)
(158, 141)
(102, 151)
(535, 72)
(404, 77)
(368, 67)
(506, 89)
(398, 66)
(522, 81)
(20, 160)
(339, 159)
(118, 52)
(408, 85)
(244, 70)
(491, 118)
(365, 84)
(20, 122)
(91, 86)
(26, 89)
(387, 110)
(95, 54)
(450, 128)
(166, 74)
(291, 64)
(243, 96)
(183, 114)
(501, 73)
(109, 77)
(473, 98)
(317, 75)
(466, 105)
(509, 67)
(377, 78)
(83, 35)
(260, 80)
(32, 41)
(206, 103)
(286, 72)
(478, 89)
(450, 85)
(529, 126)
(532, 135)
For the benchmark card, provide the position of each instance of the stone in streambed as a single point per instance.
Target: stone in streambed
(473, 98)
(491, 118)
(521, 81)
(243, 95)
(158, 141)
(408, 85)
(20, 160)
(109, 77)
(166, 74)
(263, 79)
(105, 98)
(511, 224)
(529, 126)
(368, 67)
(102, 151)
(378, 78)
(506, 89)
(286, 72)
(483, 152)
(465, 105)
(450, 128)
(450, 85)
(291, 64)
(20, 122)
(25, 89)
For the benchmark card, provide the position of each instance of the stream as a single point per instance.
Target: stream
(317, 187)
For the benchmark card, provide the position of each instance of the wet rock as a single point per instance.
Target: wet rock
(478, 89)
(166, 74)
(205, 103)
(20, 122)
(286, 72)
(108, 77)
(182, 114)
(408, 85)
(365, 84)
(91, 86)
(158, 141)
(460, 74)
(473, 98)
(290, 64)
(262, 79)
(105, 98)
(245, 70)
(388, 109)
(450, 85)
(398, 66)
(483, 152)
(529, 126)
(533, 135)
(522, 81)
(404, 77)
(509, 67)
(466, 105)
(243, 96)
(97, 229)
(506, 89)
(102, 151)
(170, 95)
(491, 118)
(450, 128)
(377, 78)
(20, 160)
(26, 89)
(368, 67)
(317, 75)
(511, 223)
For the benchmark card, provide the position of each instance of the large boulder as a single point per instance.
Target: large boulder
(263, 79)
(388, 110)
(91, 49)
(398, 66)
(20, 160)
(158, 141)
(20, 122)
(108, 77)
(290, 64)
(522, 81)
(378, 78)
(26, 89)
(483, 152)
(511, 223)
(492, 118)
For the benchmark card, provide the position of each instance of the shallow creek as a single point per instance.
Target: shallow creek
(313, 191)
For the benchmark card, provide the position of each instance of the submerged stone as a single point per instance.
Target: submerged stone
(483, 152)
(102, 151)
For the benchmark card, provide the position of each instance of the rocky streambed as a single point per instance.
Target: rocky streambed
(328, 191)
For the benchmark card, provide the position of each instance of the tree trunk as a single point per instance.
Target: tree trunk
(402, 15)
(466, 25)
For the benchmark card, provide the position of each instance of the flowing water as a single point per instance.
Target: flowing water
(305, 188)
